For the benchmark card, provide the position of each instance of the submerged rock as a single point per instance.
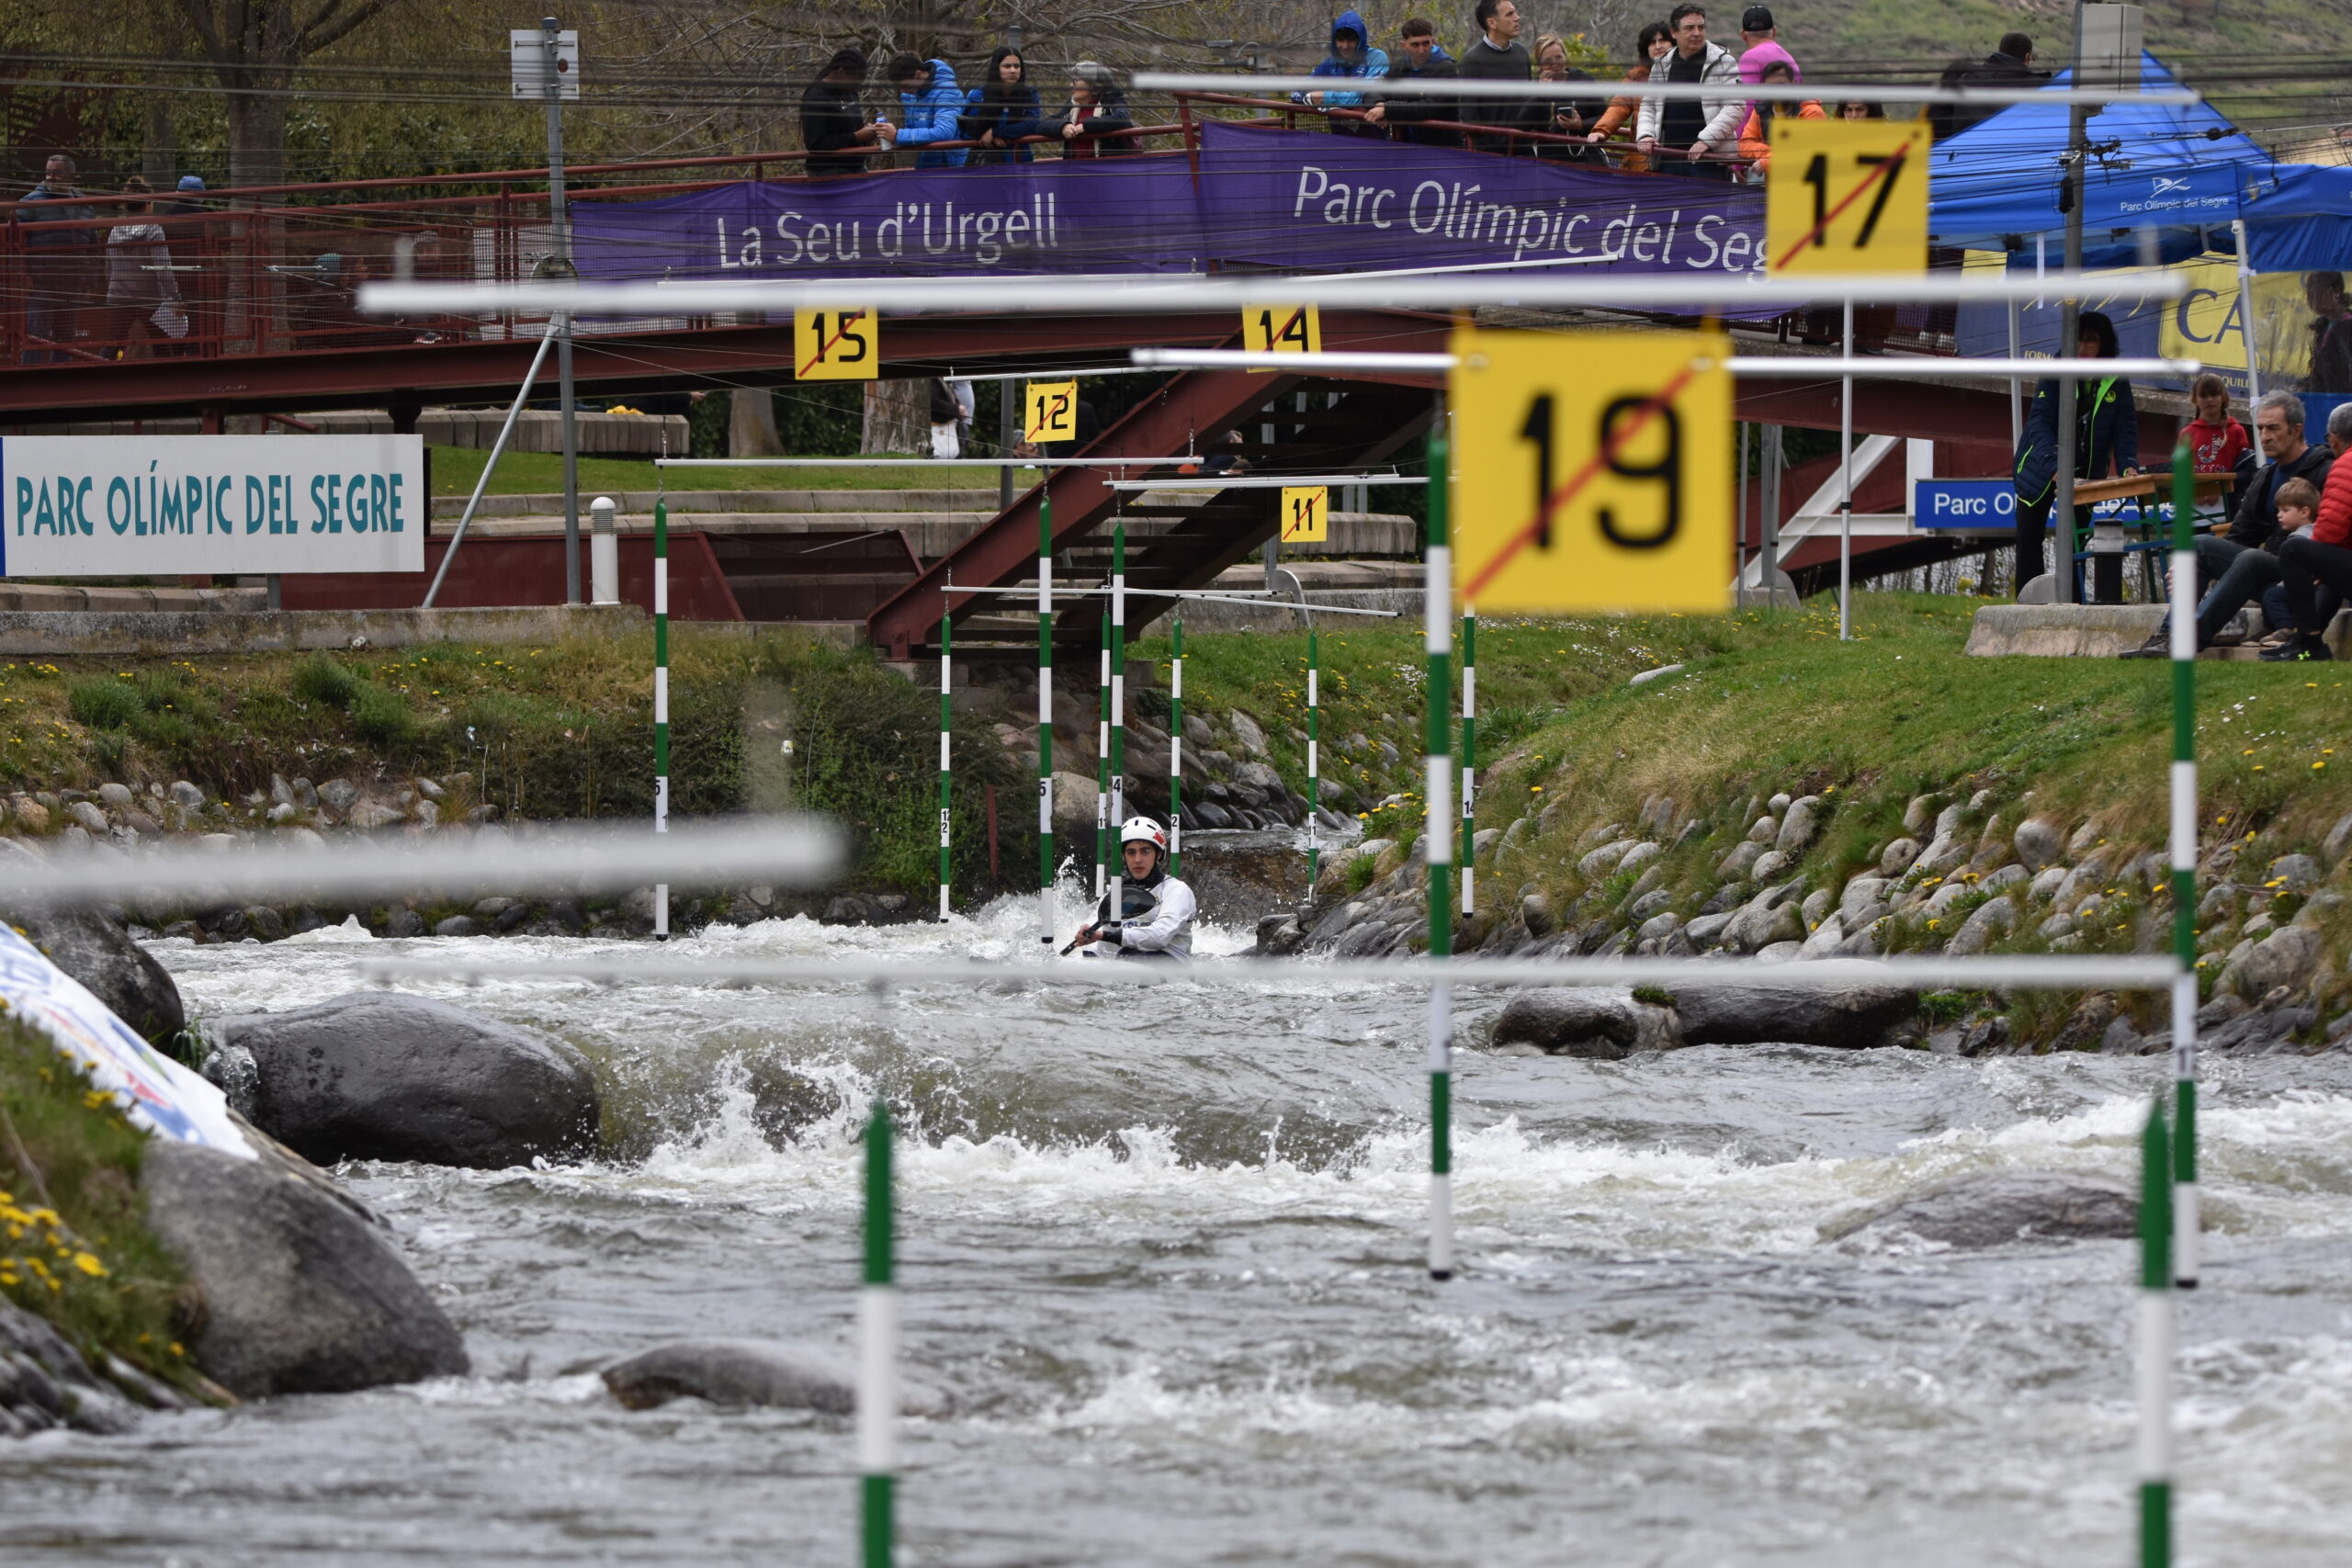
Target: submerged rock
(2002, 1207)
(301, 1293)
(376, 1074)
(735, 1371)
(1583, 1020)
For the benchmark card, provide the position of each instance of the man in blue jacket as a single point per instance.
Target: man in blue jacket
(931, 109)
(1351, 55)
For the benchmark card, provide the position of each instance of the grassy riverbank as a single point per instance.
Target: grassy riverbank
(1774, 699)
(74, 1246)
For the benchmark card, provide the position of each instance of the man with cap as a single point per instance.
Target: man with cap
(1763, 51)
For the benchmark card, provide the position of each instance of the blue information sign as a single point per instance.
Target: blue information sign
(1963, 504)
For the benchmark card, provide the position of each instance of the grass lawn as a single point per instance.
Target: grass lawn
(455, 470)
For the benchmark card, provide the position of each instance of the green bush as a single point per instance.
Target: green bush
(322, 679)
(382, 716)
(104, 703)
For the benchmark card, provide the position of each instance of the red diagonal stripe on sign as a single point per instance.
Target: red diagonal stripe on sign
(1565, 493)
(847, 319)
(1852, 196)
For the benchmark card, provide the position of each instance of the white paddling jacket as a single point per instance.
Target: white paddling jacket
(1158, 922)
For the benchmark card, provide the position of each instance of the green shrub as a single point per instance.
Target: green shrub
(320, 679)
(1361, 870)
(104, 703)
(382, 716)
(1655, 996)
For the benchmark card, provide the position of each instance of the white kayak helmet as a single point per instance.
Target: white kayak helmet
(1144, 830)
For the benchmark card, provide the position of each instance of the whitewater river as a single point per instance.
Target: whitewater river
(1163, 1251)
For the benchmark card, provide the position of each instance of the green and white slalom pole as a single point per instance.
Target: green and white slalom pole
(1118, 795)
(1103, 761)
(1313, 785)
(662, 703)
(877, 1366)
(1469, 756)
(1045, 717)
(2184, 869)
(1176, 755)
(1438, 618)
(2156, 1341)
(947, 715)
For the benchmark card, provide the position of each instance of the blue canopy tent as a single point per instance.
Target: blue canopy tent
(2181, 169)
(2305, 225)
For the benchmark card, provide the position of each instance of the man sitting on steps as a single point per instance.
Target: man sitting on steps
(2240, 566)
(2322, 556)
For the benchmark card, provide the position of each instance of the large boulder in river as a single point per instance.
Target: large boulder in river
(2001, 1207)
(94, 950)
(1847, 1017)
(302, 1293)
(376, 1074)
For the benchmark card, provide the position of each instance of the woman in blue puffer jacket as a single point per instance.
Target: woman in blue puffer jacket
(1001, 110)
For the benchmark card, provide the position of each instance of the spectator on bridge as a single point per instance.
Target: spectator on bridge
(1762, 50)
(832, 122)
(1680, 135)
(930, 108)
(142, 291)
(1755, 136)
(1351, 55)
(1097, 113)
(2331, 334)
(1657, 41)
(1572, 117)
(2107, 434)
(2011, 66)
(1498, 56)
(1855, 108)
(2239, 567)
(946, 417)
(1001, 110)
(1424, 57)
(2317, 566)
(191, 199)
(57, 264)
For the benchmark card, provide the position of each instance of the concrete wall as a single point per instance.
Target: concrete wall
(59, 632)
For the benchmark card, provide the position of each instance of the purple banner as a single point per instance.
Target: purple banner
(1133, 214)
(1317, 202)
(1264, 198)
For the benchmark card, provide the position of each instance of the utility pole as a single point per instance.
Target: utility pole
(560, 264)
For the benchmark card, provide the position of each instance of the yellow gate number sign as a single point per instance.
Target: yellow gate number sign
(1593, 471)
(1282, 329)
(1847, 196)
(1306, 515)
(836, 345)
(1052, 411)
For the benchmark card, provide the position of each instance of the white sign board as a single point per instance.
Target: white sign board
(164, 505)
(528, 51)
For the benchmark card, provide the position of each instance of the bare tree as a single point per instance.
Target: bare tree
(254, 48)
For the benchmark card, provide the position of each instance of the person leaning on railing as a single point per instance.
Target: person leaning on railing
(1001, 110)
(1572, 117)
(1424, 57)
(1684, 137)
(1097, 112)
(1656, 42)
(1351, 56)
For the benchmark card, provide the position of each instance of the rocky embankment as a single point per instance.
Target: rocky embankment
(1779, 879)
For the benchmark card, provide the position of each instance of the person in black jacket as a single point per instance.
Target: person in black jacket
(2240, 567)
(1421, 55)
(1090, 127)
(832, 122)
(1496, 55)
(2106, 433)
(2011, 66)
(1002, 109)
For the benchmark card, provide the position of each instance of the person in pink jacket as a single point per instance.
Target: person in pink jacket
(1755, 136)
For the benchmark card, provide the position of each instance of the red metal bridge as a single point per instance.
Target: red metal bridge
(265, 281)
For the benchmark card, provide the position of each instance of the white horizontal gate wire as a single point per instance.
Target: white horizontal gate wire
(2031, 972)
